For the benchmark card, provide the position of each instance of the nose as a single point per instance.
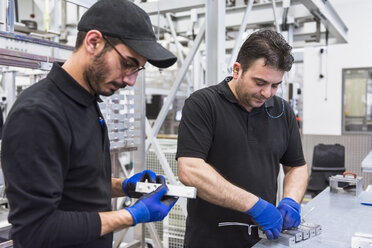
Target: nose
(266, 91)
(130, 79)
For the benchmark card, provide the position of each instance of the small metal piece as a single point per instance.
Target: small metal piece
(352, 185)
(302, 232)
(311, 230)
(173, 190)
(318, 228)
(361, 240)
(296, 233)
(237, 224)
(305, 233)
(284, 238)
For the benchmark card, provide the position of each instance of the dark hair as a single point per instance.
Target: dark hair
(269, 45)
(81, 36)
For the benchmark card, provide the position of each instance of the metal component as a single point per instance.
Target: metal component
(173, 190)
(318, 228)
(305, 234)
(311, 230)
(290, 237)
(344, 184)
(237, 224)
(296, 233)
(361, 240)
(285, 239)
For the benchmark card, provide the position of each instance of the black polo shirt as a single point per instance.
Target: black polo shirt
(245, 147)
(56, 162)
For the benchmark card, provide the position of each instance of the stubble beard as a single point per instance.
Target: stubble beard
(96, 73)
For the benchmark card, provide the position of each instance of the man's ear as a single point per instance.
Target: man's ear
(236, 69)
(93, 42)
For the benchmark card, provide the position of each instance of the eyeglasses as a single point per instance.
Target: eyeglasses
(129, 68)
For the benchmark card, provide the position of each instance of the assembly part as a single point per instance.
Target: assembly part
(311, 230)
(318, 228)
(284, 238)
(173, 190)
(296, 233)
(346, 184)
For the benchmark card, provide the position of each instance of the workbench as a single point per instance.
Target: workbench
(340, 216)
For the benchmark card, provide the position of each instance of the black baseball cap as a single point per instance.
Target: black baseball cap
(128, 22)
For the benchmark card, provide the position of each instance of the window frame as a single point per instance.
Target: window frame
(344, 131)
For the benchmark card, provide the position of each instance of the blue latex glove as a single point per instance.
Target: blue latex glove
(129, 184)
(290, 211)
(153, 206)
(268, 217)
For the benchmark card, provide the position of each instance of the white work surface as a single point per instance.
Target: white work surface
(340, 216)
(367, 163)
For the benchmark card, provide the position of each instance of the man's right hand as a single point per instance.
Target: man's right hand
(268, 217)
(153, 206)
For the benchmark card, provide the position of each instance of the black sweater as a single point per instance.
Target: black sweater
(56, 162)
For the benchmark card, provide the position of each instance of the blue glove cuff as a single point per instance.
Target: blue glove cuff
(291, 203)
(123, 186)
(257, 208)
(139, 212)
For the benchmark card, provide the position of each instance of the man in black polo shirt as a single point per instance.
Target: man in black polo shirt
(55, 148)
(231, 141)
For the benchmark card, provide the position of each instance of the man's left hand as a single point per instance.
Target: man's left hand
(153, 206)
(129, 184)
(290, 211)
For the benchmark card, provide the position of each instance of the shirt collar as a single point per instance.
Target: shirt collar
(225, 91)
(70, 87)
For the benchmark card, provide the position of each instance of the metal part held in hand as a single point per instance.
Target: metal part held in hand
(318, 228)
(305, 233)
(296, 233)
(284, 239)
(302, 232)
(173, 190)
(310, 229)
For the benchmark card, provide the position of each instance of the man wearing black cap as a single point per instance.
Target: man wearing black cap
(55, 148)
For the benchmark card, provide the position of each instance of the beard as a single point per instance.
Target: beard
(96, 74)
(243, 97)
(247, 99)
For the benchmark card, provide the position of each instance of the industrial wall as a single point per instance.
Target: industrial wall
(322, 98)
(322, 109)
